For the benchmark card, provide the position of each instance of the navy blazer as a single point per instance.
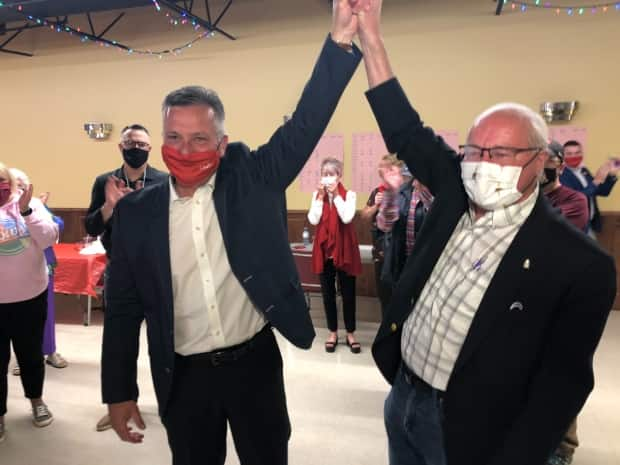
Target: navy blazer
(591, 191)
(250, 203)
(522, 374)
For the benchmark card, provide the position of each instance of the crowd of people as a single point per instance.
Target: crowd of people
(486, 365)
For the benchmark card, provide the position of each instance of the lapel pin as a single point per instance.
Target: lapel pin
(526, 264)
(516, 306)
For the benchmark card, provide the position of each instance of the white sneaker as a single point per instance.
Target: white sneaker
(2, 431)
(41, 416)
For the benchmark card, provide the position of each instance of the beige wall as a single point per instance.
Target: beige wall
(454, 58)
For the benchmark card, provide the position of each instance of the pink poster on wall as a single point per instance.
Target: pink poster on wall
(450, 137)
(330, 145)
(366, 151)
(566, 133)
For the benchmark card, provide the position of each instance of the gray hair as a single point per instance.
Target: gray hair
(538, 133)
(197, 95)
(334, 163)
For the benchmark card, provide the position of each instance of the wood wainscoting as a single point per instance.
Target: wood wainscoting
(609, 239)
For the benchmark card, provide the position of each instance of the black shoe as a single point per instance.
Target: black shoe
(330, 346)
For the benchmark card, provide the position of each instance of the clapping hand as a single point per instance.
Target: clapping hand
(393, 177)
(115, 189)
(25, 198)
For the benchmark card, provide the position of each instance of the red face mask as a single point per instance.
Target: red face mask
(5, 192)
(573, 162)
(193, 168)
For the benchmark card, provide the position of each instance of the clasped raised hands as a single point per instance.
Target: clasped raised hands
(351, 17)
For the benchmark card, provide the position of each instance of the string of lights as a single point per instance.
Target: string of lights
(570, 10)
(85, 37)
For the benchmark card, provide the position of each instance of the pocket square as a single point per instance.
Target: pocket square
(516, 306)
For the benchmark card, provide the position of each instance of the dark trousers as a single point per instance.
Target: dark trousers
(347, 290)
(22, 324)
(384, 291)
(247, 393)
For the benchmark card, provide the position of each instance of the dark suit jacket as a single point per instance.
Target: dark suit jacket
(522, 375)
(591, 191)
(250, 202)
(93, 221)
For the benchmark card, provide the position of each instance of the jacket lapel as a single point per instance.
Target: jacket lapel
(512, 271)
(159, 246)
(220, 200)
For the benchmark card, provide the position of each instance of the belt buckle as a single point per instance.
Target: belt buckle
(217, 358)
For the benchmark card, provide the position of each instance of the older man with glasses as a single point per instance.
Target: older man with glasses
(489, 338)
(110, 187)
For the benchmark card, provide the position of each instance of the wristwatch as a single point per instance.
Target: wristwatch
(27, 212)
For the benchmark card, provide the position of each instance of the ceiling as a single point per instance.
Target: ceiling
(53, 8)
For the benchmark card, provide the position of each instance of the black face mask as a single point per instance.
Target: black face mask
(551, 174)
(135, 157)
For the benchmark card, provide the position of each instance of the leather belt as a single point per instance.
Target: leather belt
(229, 354)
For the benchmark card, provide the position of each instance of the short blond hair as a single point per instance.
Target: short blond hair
(5, 172)
(333, 162)
(391, 160)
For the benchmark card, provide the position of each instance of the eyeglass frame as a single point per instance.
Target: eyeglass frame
(130, 144)
(515, 151)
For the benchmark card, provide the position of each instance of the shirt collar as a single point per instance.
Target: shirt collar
(210, 184)
(148, 173)
(512, 215)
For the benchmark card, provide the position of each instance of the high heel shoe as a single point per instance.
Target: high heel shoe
(330, 346)
(355, 347)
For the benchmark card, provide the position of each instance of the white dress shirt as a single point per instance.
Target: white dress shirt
(211, 309)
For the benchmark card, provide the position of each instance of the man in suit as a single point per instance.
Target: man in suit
(487, 366)
(205, 259)
(577, 177)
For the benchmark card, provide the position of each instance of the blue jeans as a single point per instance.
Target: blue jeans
(412, 421)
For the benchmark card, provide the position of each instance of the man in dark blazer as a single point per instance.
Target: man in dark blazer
(577, 177)
(108, 188)
(205, 259)
(487, 366)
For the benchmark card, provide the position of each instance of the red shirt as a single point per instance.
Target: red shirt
(572, 204)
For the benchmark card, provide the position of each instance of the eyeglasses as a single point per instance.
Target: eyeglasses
(474, 152)
(130, 144)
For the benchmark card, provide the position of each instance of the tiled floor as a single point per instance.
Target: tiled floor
(335, 401)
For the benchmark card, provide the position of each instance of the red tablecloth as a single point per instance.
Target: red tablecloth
(75, 273)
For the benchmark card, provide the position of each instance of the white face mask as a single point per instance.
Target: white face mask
(328, 180)
(489, 185)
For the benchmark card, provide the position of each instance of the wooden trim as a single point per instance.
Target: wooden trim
(609, 238)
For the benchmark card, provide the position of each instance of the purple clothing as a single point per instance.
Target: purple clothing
(49, 333)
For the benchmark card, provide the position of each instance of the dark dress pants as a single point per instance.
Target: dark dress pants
(347, 290)
(247, 394)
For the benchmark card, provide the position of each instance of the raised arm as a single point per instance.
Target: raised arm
(428, 157)
(279, 161)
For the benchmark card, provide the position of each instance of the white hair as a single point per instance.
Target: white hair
(19, 175)
(538, 134)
